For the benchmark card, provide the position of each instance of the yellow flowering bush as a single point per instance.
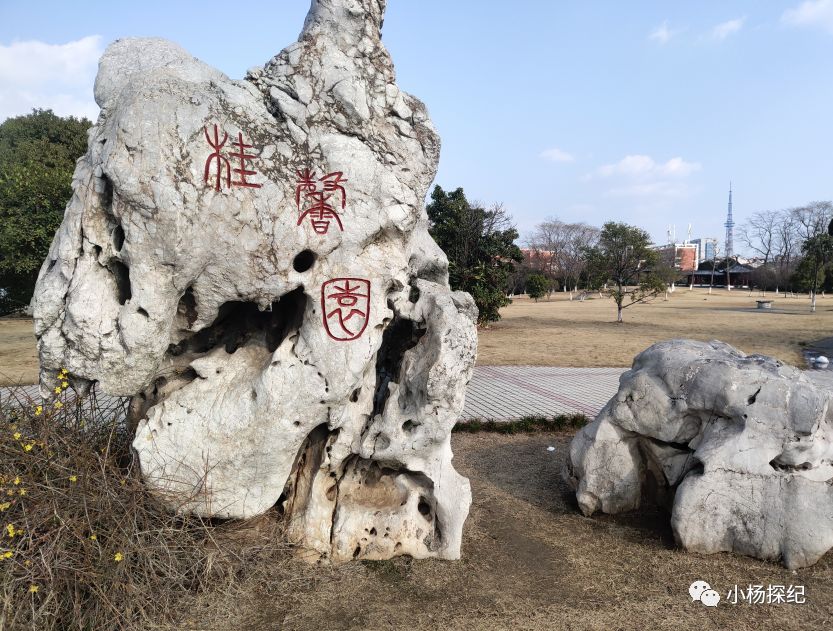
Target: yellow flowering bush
(82, 544)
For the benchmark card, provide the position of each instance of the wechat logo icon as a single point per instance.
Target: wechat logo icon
(702, 591)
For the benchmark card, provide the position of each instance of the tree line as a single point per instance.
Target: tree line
(616, 260)
(484, 260)
(792, 245)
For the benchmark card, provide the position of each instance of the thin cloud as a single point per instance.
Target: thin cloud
(34, 74)
(812, 13)
(662, 33)
(730, 27)
(557, 155)
(641, 177)
(642, 166)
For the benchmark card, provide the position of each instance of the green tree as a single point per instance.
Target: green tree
(667, 274)
(479, 244)
(537, 286)
(37, 158)
(622, 258)
(818, 252)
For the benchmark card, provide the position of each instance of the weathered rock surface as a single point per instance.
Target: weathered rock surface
(739, 446)
(249, 260)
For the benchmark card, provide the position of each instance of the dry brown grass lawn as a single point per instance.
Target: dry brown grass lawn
(18, 355)
(558, 332)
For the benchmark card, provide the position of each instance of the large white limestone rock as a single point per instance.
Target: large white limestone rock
(740, 447)
(249, 260)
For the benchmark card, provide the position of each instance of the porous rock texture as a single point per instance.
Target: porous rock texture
(739, 447)
(250, 262)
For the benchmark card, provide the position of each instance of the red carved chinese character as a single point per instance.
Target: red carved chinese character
(306, 184)
(315, 203)
(217, 159)
(241, 155)
(331, 183)
(345, 306)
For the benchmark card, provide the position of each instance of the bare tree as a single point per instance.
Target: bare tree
(811, 219)
(760, 233)
(557, 249)
(545, 245)
(579, 238)
(787, 245)
(716, 253)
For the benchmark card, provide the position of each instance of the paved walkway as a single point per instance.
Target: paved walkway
(509, 392)
(504, 393)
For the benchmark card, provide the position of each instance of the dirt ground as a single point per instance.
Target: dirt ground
(532, 561)
(559, 332)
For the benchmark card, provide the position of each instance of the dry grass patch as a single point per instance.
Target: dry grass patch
(577, 334)
(84, 546)
(18, 353)
(559, 332)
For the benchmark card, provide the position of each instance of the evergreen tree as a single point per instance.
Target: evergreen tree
(537, 286)
(479, 244)
(37, 158)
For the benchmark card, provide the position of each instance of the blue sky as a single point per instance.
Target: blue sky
(594, 110)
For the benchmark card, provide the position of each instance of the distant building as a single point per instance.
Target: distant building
(681, 256)
(740, 275)
(706, 248)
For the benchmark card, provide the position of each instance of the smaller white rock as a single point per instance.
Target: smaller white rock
(740, 447)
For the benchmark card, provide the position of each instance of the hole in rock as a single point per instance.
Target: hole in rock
(107, 195)
(121, 274)
(97, 251)
(424, 507)
(400, 336)
(240, 323)
(382, 442)
(118, 238)
(413, 295)
(308, 461)
(753, 397)
(780, 465)
(187, 306)
(354, 396)
(143, 312)
(372, 532)
(303, 261)
(409, 426)
(357, 552)
(51, 264)
(147, 398)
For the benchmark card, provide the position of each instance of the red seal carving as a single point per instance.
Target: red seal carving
(345, 307)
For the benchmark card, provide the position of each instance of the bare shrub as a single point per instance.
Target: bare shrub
(84, 546)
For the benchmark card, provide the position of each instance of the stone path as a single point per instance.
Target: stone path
(503, 393)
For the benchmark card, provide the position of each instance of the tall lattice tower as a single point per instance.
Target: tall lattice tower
(730, 228)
